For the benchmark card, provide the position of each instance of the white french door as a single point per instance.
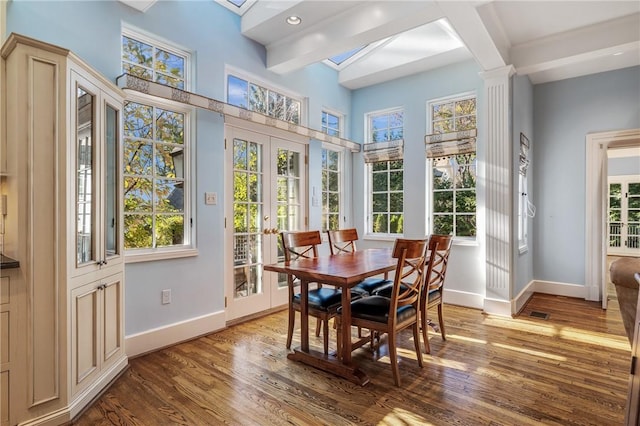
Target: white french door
(624, 216)
(266, 194)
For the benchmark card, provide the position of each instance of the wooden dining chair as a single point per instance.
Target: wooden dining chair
(344, 241)
(323, 302)
(391, 315)
(439, 249)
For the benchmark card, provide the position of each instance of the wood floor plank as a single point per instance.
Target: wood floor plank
(571, 368)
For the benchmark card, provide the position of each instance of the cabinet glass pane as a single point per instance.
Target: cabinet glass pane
(85, 187)
(111, 181)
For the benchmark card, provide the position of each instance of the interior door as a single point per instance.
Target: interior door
(624, 216)
(265, 196)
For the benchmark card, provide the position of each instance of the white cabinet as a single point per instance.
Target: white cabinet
(97, 334)
(64, 226)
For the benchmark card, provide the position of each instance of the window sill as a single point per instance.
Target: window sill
(382, 237)
(149, 256)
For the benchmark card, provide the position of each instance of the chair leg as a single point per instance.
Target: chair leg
(393, 355)
(292, 320)
(416, 342)
(425, 331)
(325, 335)
(441, 321)
(318, 323)
(338, 337)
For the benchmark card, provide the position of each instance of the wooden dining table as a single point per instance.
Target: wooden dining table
(342, 271)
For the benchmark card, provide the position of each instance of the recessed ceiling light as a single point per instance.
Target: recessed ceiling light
(294, 20)
(618, 53)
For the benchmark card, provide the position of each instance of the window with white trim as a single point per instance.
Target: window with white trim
(156, 150)
(385, 172)
(331, 123)
(453, 177)
(331, 189)
(254, 96)
(522, 213)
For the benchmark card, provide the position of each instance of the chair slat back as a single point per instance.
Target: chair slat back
(439, 249)
(300, 244)
(342, 240)
(409, 276)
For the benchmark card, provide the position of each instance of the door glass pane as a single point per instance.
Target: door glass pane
(247, 218)
(111, 181)
(85, 187)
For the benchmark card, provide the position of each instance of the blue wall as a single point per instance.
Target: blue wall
(564, 112)
(622, 166)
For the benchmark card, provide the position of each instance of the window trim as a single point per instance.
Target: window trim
(189, 248)
(369, 234)
(523, 217)
(462, 241)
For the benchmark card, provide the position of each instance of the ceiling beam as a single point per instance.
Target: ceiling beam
(618, 36)
(355, 27)
(467, 23)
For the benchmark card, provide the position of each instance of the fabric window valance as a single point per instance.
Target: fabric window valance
(439, 145)
(383, 151)
(131, 82)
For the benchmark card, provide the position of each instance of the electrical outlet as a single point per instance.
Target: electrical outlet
(166, 297)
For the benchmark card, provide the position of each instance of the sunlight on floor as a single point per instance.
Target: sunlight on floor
(399, 417)
(602, 339)
(530, 352)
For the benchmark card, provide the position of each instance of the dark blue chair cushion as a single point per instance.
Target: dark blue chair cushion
(376, 308)
(322, 298)
(385, 290)
(435, 294)
(369, 285)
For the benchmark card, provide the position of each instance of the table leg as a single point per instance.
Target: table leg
(346, 326)
(304, 315)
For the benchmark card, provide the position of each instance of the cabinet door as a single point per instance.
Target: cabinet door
(84, 123)
(111, 185)
(112, 326)
(96, 120)
(85, 334)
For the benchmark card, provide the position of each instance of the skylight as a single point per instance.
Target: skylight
(338, 59)
(237, 3)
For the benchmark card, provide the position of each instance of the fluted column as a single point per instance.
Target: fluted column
(499, 189)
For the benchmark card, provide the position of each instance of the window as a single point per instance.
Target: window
(453, 178)
(331, 123)
(156, 151)
(246, 94)
(331, 189)
(385, 206)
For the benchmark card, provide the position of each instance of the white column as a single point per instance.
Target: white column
(499, 189)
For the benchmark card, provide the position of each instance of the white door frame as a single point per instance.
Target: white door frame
(595, 207)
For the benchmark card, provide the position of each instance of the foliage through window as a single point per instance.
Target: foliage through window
(331, 188)
(453, 183)
(155, 153)
(386, 186)
(254, 97)
(153, 63)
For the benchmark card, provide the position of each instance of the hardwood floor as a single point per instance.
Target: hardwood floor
(571, 368)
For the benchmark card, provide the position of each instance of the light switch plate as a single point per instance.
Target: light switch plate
(211, 198)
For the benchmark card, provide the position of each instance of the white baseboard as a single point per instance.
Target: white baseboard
(463, 298)
(560, 289)
(157, 338)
